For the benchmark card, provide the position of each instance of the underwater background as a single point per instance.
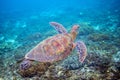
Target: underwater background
(24, 23)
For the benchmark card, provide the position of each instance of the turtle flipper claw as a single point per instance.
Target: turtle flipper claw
(25, 64)
(81, 50)
(59, 27)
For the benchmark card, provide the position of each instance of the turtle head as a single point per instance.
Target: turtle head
(74, 31)
(25, 64)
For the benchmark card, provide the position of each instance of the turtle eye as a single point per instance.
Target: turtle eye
(76, 27)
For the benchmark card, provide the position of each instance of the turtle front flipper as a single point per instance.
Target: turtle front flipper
(59, 27)
(81, 50)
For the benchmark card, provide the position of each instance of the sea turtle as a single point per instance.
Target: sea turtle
(55, 48)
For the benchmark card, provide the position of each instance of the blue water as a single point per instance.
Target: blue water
(24, 23)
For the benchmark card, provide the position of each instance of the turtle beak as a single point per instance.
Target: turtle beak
(75, 28)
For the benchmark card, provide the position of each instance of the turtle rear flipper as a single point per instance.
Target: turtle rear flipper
(59, 27)
(81, 50)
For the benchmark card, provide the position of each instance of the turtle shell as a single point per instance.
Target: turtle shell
(52, 49)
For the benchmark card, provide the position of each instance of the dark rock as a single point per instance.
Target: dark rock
(72, 63)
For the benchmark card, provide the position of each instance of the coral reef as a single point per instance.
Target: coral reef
(116, 57)
(98, 37)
